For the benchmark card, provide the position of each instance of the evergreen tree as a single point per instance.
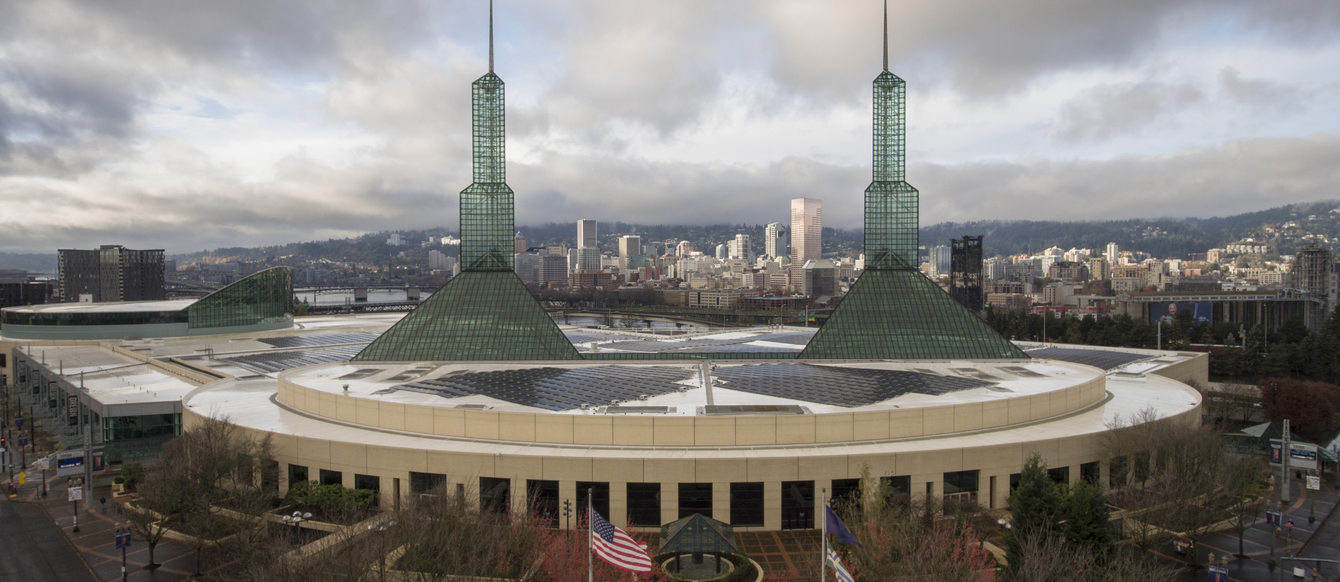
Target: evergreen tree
(1035, 509)
(1088, 521)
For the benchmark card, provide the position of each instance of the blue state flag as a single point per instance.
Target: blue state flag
(839, 529)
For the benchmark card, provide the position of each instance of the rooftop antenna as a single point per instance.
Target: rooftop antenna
(886, 66)
(886, 36)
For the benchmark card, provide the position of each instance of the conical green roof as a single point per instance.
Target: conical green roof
(899, 314)
(477, 315)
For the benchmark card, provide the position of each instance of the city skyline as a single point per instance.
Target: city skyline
(200, 126)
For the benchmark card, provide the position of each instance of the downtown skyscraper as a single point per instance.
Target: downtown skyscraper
(588, 248)
(807, 228)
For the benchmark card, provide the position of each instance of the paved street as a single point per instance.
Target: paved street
(38, 542)
(1260, 542)
(33, 549)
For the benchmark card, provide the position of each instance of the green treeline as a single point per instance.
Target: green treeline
(1290, 351)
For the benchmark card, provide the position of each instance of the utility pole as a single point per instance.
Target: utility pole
(1284, 464)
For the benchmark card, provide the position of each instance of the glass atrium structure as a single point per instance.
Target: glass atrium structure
(263, 300)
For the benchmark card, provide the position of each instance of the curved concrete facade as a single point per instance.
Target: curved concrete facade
(360, 430)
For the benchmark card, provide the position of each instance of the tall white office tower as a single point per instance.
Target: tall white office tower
(588, 250)
(774, 240)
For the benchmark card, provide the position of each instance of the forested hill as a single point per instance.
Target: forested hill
(1165, 237)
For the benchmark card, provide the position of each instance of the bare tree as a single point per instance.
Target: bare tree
(1174, 475)
(1246, 486)
(147, 526)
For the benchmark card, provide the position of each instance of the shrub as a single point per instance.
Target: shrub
(328, 500)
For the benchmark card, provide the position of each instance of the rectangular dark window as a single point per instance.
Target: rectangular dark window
(495, 495)
(846, 500)
(644, 504)
(1117, 472)
(1014, 482)
(746, 504)
(797, 504)
(960, 490)
(270, 477)
(898, 489)
(1089, 473)
(600, 496)
(371, 483)
(1059, 475)
(331, 477)
(542, 501)
(296, 474)
(427, 483)
(695, 498)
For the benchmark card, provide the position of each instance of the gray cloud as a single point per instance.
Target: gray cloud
(1242, 175)
(1106, 111)
(95, 141)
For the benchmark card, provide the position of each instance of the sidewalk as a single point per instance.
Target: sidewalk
(1260, 543)
(93, 548)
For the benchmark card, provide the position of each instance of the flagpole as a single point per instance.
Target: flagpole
(823, 536)
(589, 550)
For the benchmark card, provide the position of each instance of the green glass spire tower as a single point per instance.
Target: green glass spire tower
(893, 312)
(891, 217)
(487, 206)
(486, 312)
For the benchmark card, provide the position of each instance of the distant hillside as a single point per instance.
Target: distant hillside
(31, 262)
(1165, 237)
(1283, 227)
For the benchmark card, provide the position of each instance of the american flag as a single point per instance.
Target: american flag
(613, 545)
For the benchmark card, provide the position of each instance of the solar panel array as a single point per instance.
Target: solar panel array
(325, 339)
(1105, 359)
(274, 362)
(560, 388)
(848, 387)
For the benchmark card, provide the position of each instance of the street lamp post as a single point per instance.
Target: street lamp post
(379, 529)
(296, 519)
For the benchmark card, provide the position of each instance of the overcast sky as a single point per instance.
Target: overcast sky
(193, 125)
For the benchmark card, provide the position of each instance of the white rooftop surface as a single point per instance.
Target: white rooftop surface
(112, 378)
(108, 307)
(248, 403)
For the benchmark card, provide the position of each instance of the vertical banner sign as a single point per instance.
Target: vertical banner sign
(72, 409)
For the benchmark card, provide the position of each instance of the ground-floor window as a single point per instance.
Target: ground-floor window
(495, 495)
(798, 505)
(542, 501)
(846, 499)
(427, 483)
(960, 489)
(644, 504)
(1089, 473)
(1059, 475)
(695, 498)
(296, 474)
(897, 489)
(371, 483)
(600, 496)
(746, 504)
(332, 477)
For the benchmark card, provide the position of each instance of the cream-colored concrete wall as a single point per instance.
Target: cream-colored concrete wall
(1194, 371)
(691, 431)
